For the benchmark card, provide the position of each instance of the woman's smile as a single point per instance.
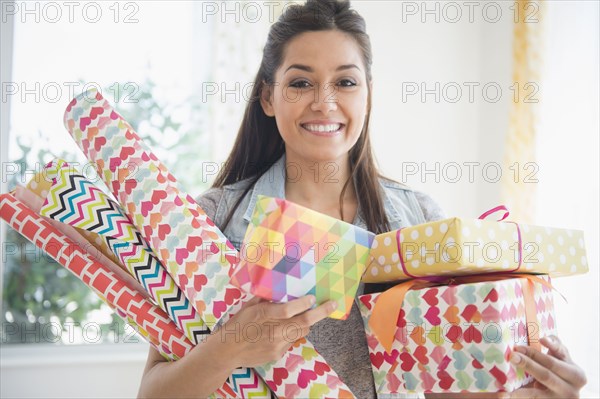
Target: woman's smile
(323, 128)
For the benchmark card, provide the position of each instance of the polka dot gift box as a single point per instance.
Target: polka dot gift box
(460, 246)
(455, 338)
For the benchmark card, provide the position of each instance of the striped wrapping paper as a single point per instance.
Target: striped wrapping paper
(194, 251)
(152, 322)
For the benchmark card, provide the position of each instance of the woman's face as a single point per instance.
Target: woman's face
(319, 99)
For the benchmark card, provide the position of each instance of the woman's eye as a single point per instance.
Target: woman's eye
(300, 84)
(347, 83)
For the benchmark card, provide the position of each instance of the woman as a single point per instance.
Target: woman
(305, 137)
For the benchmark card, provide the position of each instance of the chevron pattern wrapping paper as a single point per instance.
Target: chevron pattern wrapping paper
(194, 251)
(75, 201)
(457, 338)
(292, 251)
(39, 185)
(33, 202)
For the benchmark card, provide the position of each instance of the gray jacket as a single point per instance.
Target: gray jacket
(341, 342)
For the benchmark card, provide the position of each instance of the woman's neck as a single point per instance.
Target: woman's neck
(318, 184)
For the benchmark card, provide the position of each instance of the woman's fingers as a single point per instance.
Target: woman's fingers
(541, 373)
(253, 301)
(567, 371)
(556, 348)
(287, 310)
(312, 316)
(527, 393)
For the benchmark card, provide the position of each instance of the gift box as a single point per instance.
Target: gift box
(290, 251)
(458, 246)
(424, 337)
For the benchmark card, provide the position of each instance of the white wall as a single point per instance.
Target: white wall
(79, 371)
(409, 132)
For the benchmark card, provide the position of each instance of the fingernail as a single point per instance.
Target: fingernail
(515, 358)
(333, 305)
(312, 300)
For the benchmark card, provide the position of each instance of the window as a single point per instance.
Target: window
(165, 73)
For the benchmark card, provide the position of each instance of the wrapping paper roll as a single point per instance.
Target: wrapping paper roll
(103, 282)
(194, 251)
(33, 202)
(75, 201)
(152, 322)
(39, 185)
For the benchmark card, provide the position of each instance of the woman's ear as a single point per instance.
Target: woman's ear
(266, 96)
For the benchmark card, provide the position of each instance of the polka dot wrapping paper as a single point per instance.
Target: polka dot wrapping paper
(458, 338)
(458, 246)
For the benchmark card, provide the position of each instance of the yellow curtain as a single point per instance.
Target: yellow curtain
(520, 171)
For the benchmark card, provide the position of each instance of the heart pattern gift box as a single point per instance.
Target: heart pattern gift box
(424, 337)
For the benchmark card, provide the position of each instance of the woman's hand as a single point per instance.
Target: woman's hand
(262, 331)
(556, 376)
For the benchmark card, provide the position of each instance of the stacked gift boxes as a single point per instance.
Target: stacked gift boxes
(468, 291)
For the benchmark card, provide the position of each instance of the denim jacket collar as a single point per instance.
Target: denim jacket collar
(272, 183)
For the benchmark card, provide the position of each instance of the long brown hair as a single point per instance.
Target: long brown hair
(259, 145)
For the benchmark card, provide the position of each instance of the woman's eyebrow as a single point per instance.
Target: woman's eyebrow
(309, 69)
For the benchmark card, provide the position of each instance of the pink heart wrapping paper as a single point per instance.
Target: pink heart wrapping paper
(194, 251)
(458, 338)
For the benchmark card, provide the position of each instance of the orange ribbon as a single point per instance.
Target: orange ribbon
(387, 307)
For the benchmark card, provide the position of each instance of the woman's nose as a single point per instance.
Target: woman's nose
(325, 99)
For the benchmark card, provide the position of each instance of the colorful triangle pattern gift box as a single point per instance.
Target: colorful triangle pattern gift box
(290, 251)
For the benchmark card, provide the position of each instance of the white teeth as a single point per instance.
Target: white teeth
(323, 128)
